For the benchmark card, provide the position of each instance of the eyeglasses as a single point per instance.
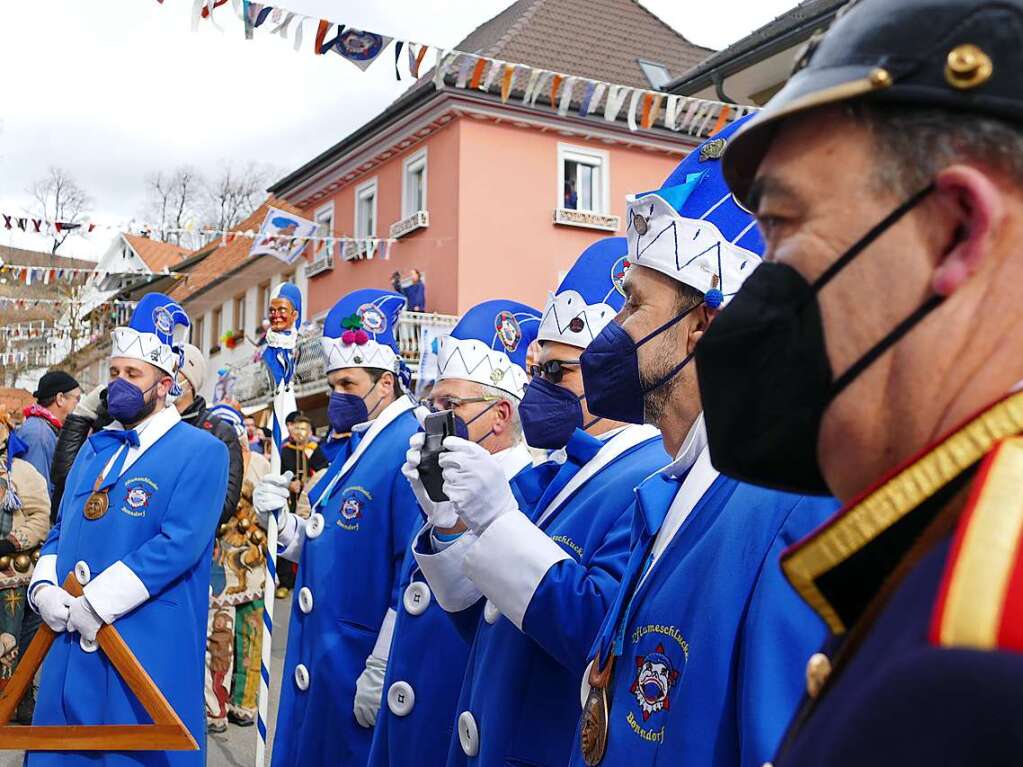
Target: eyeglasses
(450, 402)
(552, 370)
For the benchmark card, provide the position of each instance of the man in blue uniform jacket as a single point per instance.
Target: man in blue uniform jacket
(481, 379)
(350, 549)
(549, 573)
(135, 526)
(694, 664)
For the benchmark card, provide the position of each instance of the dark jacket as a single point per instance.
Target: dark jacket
(77, 428)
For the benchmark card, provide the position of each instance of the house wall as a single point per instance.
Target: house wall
(509, 246)
(432, 250)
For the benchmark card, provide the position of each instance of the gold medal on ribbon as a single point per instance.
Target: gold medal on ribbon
(593, 736)
(96, 505)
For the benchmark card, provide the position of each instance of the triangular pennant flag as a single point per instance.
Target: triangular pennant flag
(477, 73)
(166, 733)
(506, 82)
(419, 59)
(566, 96)
(397, 56)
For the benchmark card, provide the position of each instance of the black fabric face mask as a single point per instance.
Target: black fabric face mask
(764, 373)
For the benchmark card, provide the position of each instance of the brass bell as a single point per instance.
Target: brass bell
(244, 524)
(257, 536)
(5, 562)
(22, 563)
(967, 66)
(36, 554)
(222, 530)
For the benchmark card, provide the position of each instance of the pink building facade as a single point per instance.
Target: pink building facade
(486, 199)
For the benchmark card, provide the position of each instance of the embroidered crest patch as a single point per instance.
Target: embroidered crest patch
(508, 330)
(373, 320)
(351, 508)
(162, 320)
(138, 492)
(354, 503)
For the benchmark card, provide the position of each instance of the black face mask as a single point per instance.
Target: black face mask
(764, 373)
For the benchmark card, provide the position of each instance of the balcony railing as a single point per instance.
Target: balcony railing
(252, 383)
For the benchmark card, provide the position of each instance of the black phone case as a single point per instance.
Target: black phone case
(438, 426)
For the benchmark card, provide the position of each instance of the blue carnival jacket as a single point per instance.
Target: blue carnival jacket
(147, 564)
(549, 578)
(713, 642)
(349, 554)
(427, 658)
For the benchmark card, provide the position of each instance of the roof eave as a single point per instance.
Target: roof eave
(701, 76)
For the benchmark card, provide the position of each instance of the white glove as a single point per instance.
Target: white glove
(475, 483)
(441, 514)
(89, 404)
(83, 619)
(271, 497)
(369, 691)
(53, 603)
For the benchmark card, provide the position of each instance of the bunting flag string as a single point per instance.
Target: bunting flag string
(699, 116)
(28, 303)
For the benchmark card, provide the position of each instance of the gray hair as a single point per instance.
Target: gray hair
(915, 143)
(515, 427)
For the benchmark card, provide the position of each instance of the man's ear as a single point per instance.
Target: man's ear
(976, 206)
(702, 317)
(503, 409)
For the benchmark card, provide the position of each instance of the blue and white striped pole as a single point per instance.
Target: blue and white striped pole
(280, 362)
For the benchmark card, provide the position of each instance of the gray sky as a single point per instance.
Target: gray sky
(117, 89)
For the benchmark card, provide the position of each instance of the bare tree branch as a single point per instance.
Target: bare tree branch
(59, 198)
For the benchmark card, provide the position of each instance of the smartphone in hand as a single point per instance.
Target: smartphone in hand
(438, 427)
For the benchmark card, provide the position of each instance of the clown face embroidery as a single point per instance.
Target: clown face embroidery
(351, 508)
(137, 497)
(621, 267)
(655, 676)
(508, 330)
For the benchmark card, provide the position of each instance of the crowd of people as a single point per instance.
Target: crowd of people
(744, 490)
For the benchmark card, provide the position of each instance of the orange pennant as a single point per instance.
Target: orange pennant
(419, 59)
(506, 82)
(648, 100)
(477, 73)
(556, 82)
(721, 121)
(321, 32)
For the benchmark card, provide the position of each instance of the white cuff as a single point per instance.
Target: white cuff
(382, 648)
(115, 592)
(290, 537)
(45, 572)
(508, 562)
(443, 570)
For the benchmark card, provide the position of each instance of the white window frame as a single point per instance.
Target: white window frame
(589, 156)
(318, 215)
(361, 192)
(410, 164)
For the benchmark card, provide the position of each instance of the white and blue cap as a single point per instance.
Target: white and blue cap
(290, 292)
(693, 229)
(589, 296)
(155, 334)
(488, 346)
(359, 331)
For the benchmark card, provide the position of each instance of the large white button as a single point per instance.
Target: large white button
(401, 698)
(305, 600)
(301, 677)
(88, 645)
(468, 734)
(82, 572)
(314, 526)
(490, 612)
(416, 598)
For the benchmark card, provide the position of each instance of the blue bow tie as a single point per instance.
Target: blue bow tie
(582, 447)
(103, 440)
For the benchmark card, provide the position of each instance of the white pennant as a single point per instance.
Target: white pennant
(534, 75)
(616, 95)
(566, 95)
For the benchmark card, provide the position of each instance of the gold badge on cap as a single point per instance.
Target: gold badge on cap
(967, 67)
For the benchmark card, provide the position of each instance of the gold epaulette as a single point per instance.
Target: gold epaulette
(840, 566)
(980, 602)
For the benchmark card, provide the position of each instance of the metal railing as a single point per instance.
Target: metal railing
(252, 383)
